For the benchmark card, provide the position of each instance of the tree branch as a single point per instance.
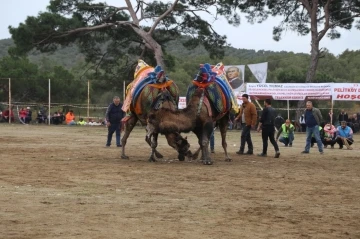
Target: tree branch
(157, 21)
(327, 21)
(306, 5)
(291, 12)
(132, 12)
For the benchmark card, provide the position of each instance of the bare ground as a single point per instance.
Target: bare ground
(61, 182)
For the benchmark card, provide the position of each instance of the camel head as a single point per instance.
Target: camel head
(182, 146)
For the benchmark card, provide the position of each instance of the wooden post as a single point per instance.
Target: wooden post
(124, 89)
(49, 106)
(88, 101)
(10, 110)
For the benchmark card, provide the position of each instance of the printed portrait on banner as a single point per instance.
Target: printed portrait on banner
(235, 75)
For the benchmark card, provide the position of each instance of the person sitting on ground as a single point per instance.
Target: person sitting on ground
(8, 113)
(81, 122)
(329, 135)
(322, 135)
(28, 115)
(70, 118)
(41, 117)
(22, 115)
(56, 118)
(344, 136)
(287, 129)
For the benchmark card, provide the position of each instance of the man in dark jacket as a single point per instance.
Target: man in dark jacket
(267, 126)
(114, 115)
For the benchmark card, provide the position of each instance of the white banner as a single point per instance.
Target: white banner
(346, 91)
(291, 91)
(182, 102)
(259, 71)
(236, 76)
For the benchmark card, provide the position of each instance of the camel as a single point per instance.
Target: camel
(160, 93)
(199, 115)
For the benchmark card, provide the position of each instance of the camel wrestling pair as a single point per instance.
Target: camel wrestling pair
(152, 99)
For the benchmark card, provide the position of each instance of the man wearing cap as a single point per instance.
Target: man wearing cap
(344, 135)
(313, 118)
(247, 116)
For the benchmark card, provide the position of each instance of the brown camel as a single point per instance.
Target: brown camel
(162, 94)
(196, 118)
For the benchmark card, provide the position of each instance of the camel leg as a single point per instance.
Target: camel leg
(128, 127)
(153, 143)
(223, 125)
(153, 149)
(196, 154)
(204, 143)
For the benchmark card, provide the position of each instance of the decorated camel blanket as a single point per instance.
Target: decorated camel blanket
(144, 90)
(217, 88)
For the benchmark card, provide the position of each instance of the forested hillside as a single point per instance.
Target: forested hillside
(69, 71)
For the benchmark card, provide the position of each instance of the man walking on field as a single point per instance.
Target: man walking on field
(267, 127)
(313, 118)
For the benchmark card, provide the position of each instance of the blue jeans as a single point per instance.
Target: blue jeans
(288, 140)
(111, 129)
(212, 140)
(309, 132)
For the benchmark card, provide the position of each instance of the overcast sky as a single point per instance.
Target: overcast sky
(247, 36)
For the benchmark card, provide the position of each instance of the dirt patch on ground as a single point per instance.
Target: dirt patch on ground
(61, 182)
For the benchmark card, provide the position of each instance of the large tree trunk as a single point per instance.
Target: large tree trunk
(315, 53)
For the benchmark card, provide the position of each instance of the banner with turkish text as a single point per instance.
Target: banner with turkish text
(346, 91)
(290, 91)
(182, 102)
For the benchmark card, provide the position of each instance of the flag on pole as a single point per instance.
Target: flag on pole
(259, 71)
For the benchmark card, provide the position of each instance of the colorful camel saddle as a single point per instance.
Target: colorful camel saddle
(217, 88)
(143, 92)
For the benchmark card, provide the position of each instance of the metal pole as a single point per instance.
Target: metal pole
(288, 109)
(49, 102)
(10, 110)
(88, 101)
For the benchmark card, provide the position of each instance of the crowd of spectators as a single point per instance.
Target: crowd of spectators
(25, 116)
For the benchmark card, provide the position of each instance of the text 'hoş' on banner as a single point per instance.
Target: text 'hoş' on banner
(346, 91)
(290, 91)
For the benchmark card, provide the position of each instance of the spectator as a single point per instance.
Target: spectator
(81, 122)
(56, 118)
(114, 115)
(302, 123)
(22, 115)
(28, 115)
(287, 129)
(343, 116)
(8, 114)
(41, 117)
(344, 136)
(330, 135)
(70, 118)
